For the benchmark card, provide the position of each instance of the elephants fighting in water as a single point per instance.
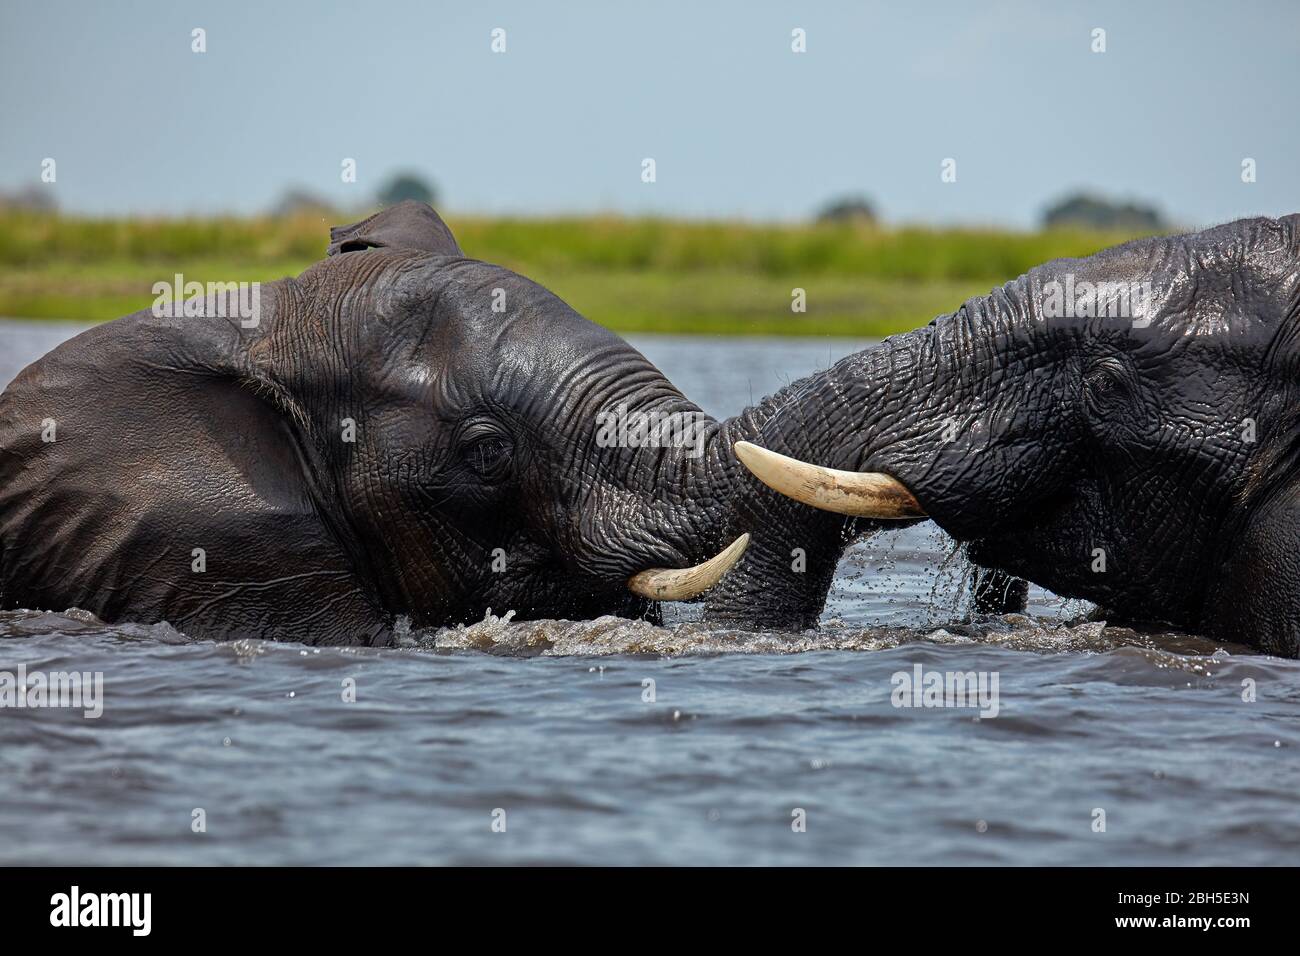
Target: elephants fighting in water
(406, 431)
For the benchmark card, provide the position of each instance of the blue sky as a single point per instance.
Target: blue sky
(738, 124)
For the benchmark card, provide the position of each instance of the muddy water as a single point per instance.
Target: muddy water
(617, 742)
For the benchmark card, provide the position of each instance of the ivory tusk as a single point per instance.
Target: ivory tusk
(682, 584)
(862, 494)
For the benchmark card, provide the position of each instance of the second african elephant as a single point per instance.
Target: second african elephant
(1123, 428)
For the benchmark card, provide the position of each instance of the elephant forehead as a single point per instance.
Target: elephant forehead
(476, 330)
(521, 326)
(475, 302)
(540, 346)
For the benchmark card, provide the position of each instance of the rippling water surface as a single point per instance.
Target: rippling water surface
(617, 742)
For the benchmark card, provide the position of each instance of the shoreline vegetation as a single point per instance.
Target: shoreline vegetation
(629, 274)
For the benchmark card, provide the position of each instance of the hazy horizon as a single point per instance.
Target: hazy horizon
(739, 125)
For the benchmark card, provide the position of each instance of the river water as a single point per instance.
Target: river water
(617, 742)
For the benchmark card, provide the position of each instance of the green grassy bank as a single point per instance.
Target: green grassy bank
(633, 275)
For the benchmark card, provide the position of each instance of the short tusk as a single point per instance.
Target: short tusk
(682, 584)
(863, 494)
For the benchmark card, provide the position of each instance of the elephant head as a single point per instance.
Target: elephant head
(1121, 428)
(400, 430)
(477, 467)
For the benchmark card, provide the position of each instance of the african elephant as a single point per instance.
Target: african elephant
(399, 430)
(1123, 428)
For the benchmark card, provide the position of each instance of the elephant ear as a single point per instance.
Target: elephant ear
(142, 445)
(407, 225)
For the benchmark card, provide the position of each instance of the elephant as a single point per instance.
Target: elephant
(1122, 428)
(398, 432)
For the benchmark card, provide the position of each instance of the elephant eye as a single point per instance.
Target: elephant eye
(489, 456)
(1106, 379)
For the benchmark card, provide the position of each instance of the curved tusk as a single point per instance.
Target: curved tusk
(682, 584)
(863, 494)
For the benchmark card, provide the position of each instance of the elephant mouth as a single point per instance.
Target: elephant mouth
(860, 494)
(682, 584)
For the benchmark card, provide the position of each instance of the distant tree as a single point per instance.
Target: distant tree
(30, 199)
(406, 186)
(1089, 211)
(848, 209)
(300, 202)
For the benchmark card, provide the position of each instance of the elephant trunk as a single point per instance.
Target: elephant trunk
(926, 424)
(946, 421)
(784, 578)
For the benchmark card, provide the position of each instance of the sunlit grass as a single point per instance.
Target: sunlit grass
(633, 275)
